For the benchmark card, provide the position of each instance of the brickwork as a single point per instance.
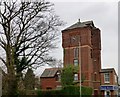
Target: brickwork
(49, 83)
(83, 39)
(113, 82)
(87, 39)
(112, 78)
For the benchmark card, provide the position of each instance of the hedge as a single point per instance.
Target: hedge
(73, 91)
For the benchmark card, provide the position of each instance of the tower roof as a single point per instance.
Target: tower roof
(81, 25)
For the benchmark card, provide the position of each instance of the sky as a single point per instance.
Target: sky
(104, 15)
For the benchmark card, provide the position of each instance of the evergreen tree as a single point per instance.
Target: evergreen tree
(29, 80)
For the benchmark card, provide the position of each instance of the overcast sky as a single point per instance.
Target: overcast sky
(104, 16)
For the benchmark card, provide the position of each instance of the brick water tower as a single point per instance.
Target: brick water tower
(81, 43)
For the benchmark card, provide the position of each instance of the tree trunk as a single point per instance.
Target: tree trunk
(12, 85)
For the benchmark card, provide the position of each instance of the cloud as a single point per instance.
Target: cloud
(104, 16)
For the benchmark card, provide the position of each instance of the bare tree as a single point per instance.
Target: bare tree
(28, 31)
(56, 63)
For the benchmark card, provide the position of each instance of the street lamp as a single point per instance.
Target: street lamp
(79, 62)
(80, 66)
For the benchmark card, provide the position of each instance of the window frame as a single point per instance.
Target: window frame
(76, 53)
(75, 76)
(76, 61)
(107, 77)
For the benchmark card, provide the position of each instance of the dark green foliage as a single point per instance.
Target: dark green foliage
(29, 80)
(86, 91)
(67, 76)
(67, 91)
(71, 90)
(22, 63)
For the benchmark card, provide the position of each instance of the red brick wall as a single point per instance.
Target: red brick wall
(90, 44)
(49, 82)
(112, 78)
(96, 56)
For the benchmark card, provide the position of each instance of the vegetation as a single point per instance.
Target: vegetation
(29, 80)
(68, 91)
(28, 31)
(67, 76)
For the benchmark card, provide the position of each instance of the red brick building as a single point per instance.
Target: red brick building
(81, 43)
(109, 82)
(50, 79)
(82, 47)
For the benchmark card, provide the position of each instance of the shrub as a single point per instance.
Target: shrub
(71, 90)
(86, 91)
(67, 91)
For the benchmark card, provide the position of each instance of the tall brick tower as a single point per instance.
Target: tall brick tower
(82, 47)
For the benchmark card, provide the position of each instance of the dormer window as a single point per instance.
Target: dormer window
(58, 77)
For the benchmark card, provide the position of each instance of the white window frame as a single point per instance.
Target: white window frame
(75, 77)
(107, 77)
(76, 62)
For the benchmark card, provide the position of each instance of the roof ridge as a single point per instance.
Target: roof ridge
(80, 24)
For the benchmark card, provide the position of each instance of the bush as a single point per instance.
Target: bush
(51, 93)
(86, 91)
(71, 90)
(67, 91)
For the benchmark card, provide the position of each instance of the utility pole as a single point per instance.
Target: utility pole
(80, 66)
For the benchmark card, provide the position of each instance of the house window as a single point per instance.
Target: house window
(76, 62)
(76, 52)
(58, 77)
(107, 77)
(75, 77)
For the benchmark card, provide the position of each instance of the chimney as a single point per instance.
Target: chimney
(79, 20)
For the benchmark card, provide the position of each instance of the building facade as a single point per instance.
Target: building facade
(50, 79)
(109, 82)
(81, 44)
(82, 47)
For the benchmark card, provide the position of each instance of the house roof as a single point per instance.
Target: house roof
(49, 72)
(107, 70)
(81, 24)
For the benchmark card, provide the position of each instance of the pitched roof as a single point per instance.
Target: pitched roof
(81, 24)
(49, 72)
(107, 70)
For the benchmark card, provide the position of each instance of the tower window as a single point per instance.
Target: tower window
(76, 52)
(75, 77)
(76, 62)
(91, 53)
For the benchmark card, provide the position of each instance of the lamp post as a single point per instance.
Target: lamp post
(80, 66)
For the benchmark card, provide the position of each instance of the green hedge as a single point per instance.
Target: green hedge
(73, 91)
(86, 91)
(67, 91)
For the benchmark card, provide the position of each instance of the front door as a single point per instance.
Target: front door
(107, 93)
